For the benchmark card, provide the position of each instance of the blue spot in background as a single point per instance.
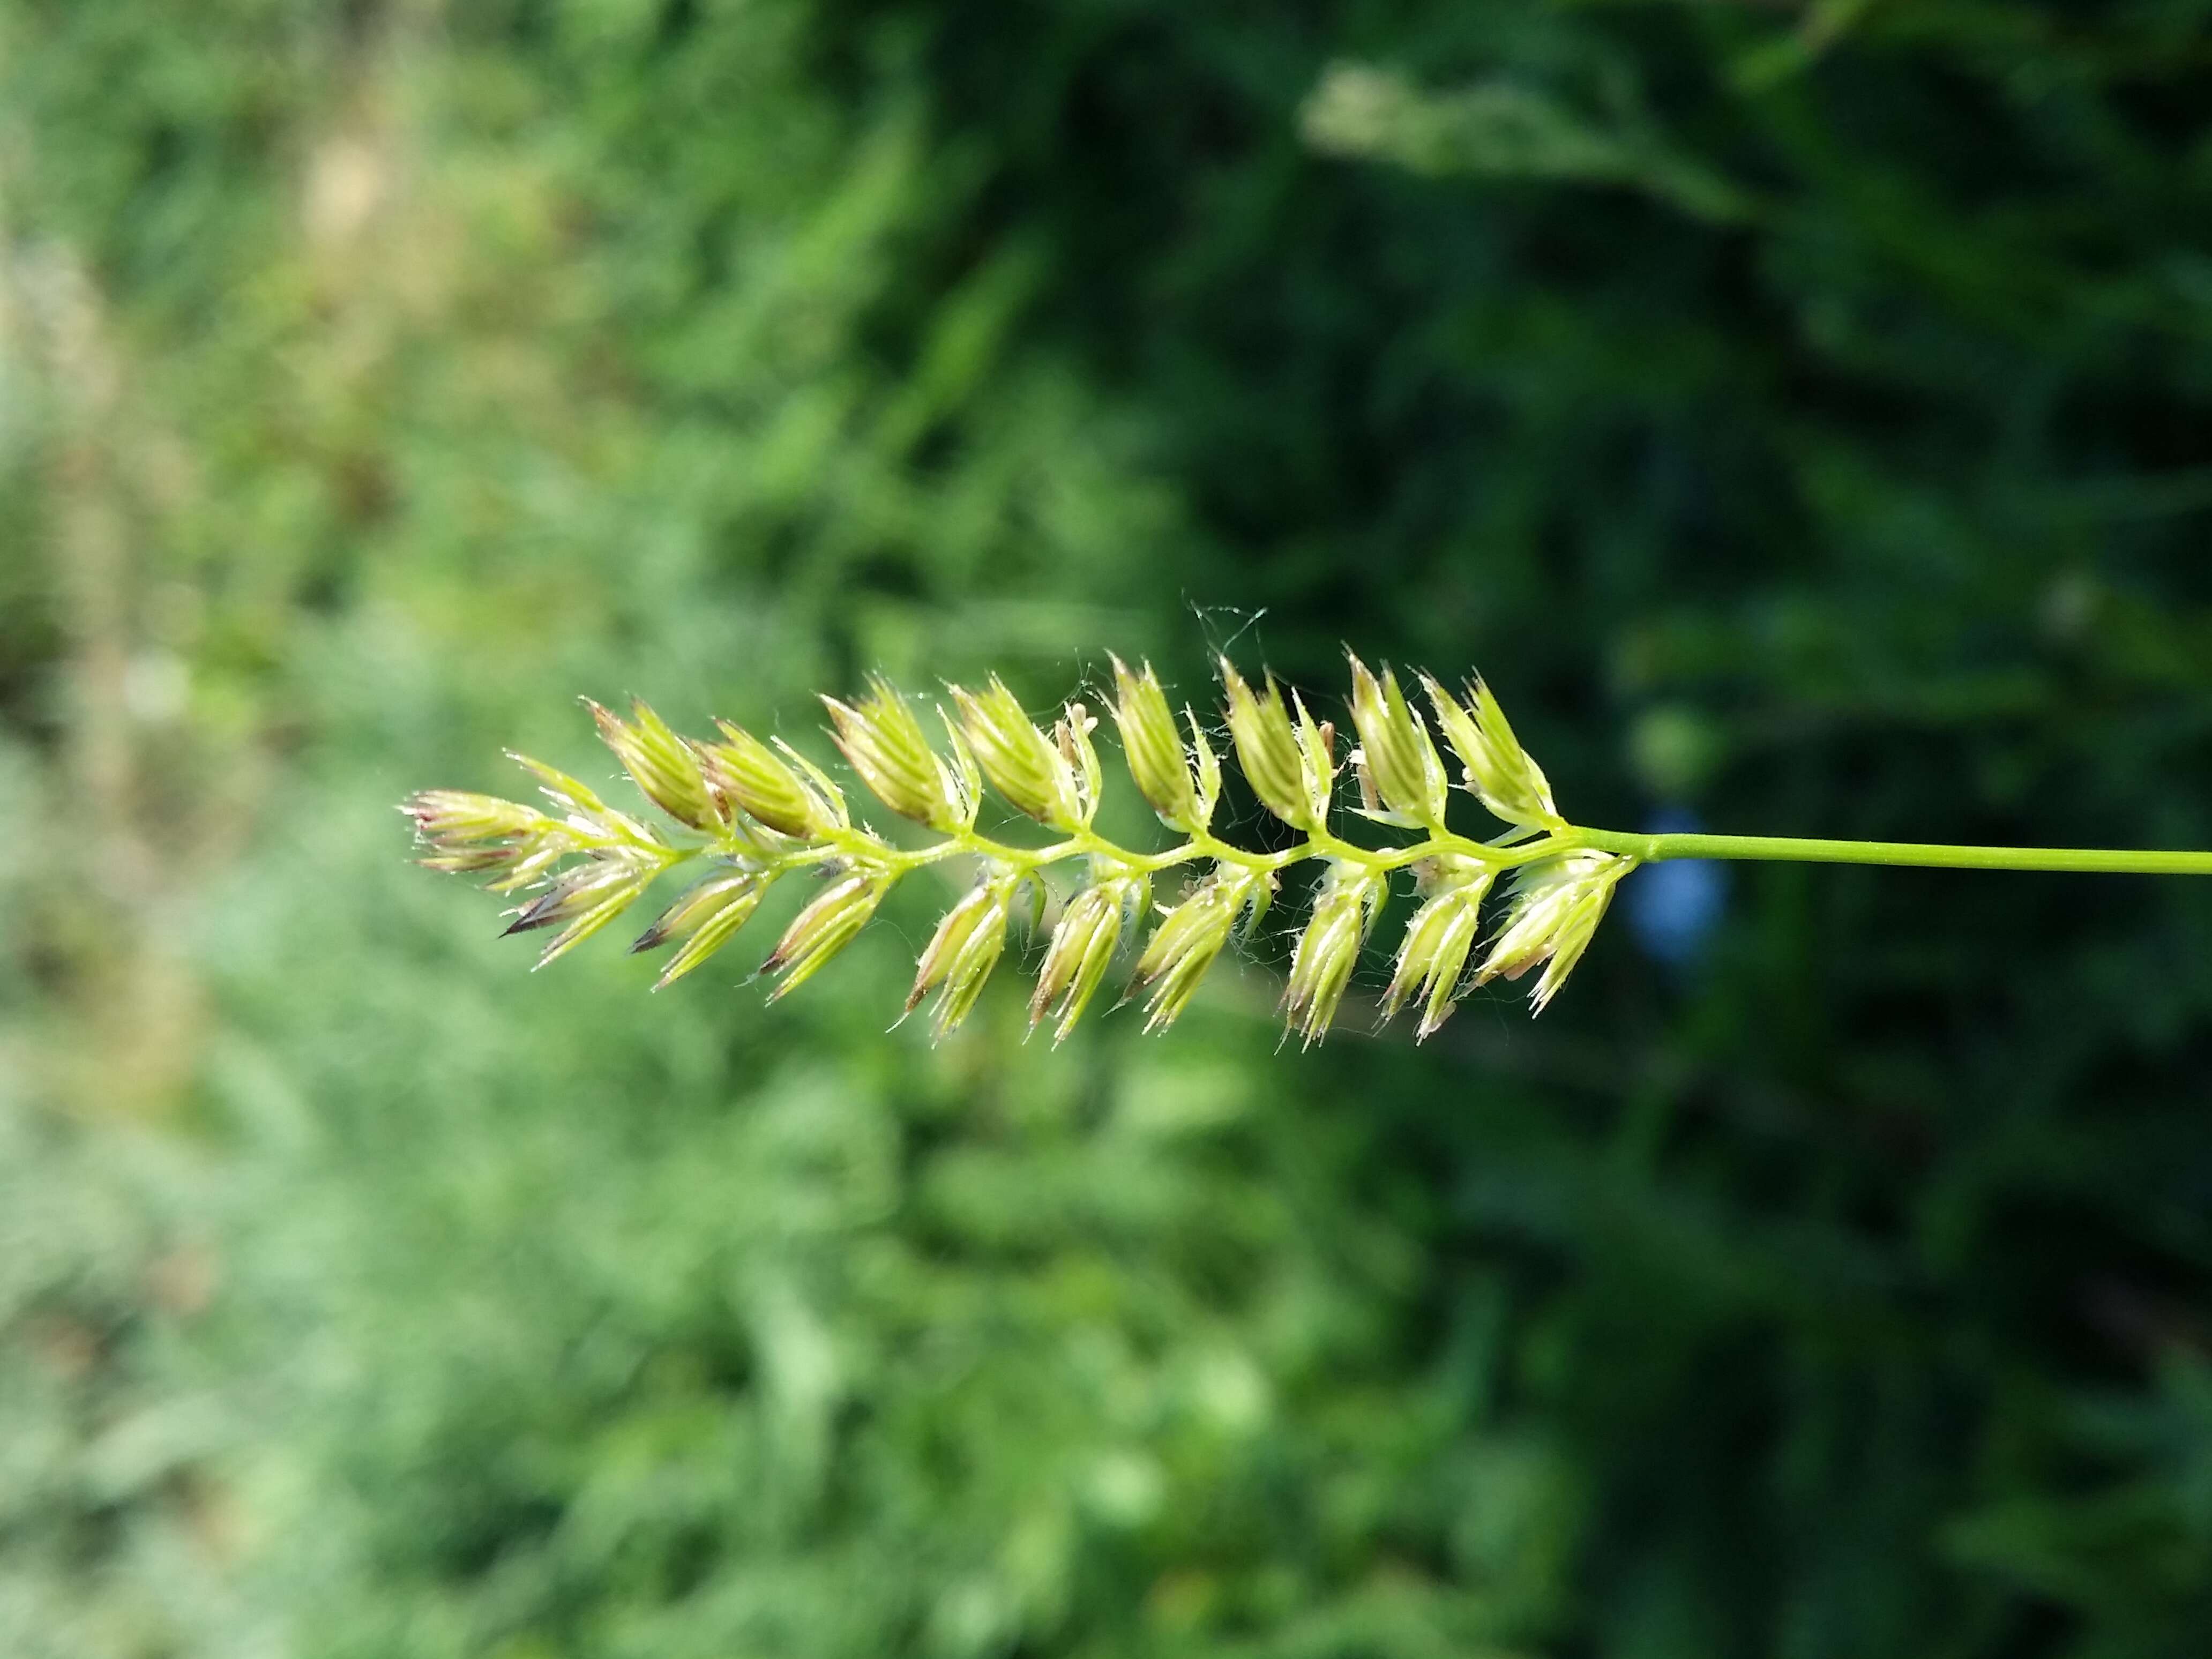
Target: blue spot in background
(1673, 908)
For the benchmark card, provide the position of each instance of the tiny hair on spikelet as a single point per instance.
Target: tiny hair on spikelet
(750, 814)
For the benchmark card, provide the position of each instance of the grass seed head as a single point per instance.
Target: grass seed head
(762, 811)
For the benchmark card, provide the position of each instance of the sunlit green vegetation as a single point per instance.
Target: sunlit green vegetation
(1801, 413)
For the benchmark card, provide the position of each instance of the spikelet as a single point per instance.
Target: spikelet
(482, 834)
(961, 954)
(1023, 763)
(824, 927)
(1395, 754)
(884, 743)
(746, 776)
(664, 767)
(1189, 937)
(1557, 905)
(701, 922)
(1181, 789)
(1267, 747)
(1432, 959)
(580, 903)
(1320, 966)
(1082, 949)
(586, 866)
(1497, 770)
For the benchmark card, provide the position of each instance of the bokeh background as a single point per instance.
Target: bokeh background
(1802, 410)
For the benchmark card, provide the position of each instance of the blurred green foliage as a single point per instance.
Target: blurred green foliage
(1802, 412)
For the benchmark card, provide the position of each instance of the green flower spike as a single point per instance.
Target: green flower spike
(754, 813)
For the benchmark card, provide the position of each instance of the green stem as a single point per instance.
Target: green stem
(1649, 848)
(1795, 849)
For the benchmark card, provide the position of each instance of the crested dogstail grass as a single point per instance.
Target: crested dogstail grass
(750, 814)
